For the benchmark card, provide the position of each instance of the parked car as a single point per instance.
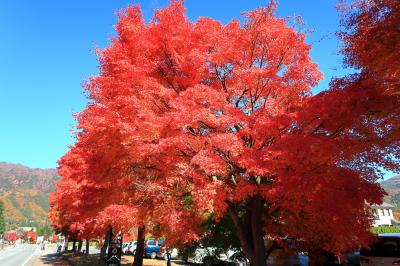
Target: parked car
(385, 251)
(151, 247)
(345, 259)
(125, 247)
(132, 248)
(162, 253)
(351, 258)
(213, 255)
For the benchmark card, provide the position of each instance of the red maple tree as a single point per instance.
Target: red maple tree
(191, 120)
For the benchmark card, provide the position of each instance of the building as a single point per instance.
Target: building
(382, 214)
(27, 229)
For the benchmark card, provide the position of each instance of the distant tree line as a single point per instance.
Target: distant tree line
(44, 230)
(2, 219)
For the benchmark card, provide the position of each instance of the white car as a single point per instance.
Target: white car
(132, 248)
(129, 248)
(201, 254)
(125, 247)
(386, 251)
(162, 253)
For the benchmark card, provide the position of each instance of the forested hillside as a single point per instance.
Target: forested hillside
(392, 187)
(25, 192)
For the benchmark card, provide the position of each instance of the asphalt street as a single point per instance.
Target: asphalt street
(18, 255)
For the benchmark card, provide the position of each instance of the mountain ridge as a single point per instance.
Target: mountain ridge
(25, 192)
(392, 188)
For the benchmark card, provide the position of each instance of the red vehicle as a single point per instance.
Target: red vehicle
(11, 236)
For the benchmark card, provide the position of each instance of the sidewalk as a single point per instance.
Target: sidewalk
(82, 260)
(46, 257)
(49, 257)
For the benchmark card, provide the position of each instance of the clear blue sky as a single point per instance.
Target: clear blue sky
(46, 52)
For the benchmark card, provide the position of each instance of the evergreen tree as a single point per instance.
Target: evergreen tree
(2, 219)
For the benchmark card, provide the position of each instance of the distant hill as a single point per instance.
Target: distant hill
(392, 187)
(25, 192)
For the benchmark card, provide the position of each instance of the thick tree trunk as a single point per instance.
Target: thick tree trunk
(250, 231)
(74, 245)
(260, 252)
(139, 247)
(80, 245)
(87, 247)
(104, 247)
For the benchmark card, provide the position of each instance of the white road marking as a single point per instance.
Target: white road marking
(30, 257)
(23, 264)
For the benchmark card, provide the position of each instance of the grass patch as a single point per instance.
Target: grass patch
(385, 229)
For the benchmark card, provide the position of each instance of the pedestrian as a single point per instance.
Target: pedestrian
(59, 248)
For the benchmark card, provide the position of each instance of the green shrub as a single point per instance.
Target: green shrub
(385, 229)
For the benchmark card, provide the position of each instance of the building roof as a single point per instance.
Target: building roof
(383, 205)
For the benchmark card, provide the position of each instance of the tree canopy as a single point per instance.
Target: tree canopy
(191, 120)
(372, 41)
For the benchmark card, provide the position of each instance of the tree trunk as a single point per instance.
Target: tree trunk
(105, 245)
(168, 258)
(74, 245)
(80, 245)
(260, 252)
(139, 247)
(87, 247)
(250, 231)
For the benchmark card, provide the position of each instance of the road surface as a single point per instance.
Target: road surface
(18, 255)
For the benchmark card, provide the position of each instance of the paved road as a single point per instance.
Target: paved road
(18, 255)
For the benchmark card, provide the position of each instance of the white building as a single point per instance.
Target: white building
(382, 214)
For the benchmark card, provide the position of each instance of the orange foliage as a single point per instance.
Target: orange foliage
(190, 120)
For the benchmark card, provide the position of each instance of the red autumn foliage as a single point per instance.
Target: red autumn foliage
(372, 41)
(191, 120)
(31, 236)
(11, 236)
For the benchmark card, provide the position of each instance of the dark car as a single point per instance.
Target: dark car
(386, 251)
